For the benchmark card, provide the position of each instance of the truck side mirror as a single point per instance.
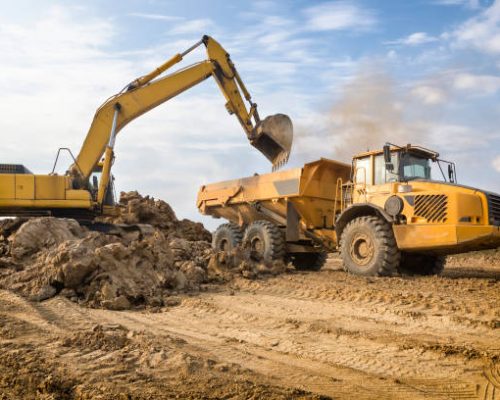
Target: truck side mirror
(387, 154)
(451, 173)
(389, 166)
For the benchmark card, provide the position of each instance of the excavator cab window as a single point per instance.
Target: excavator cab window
(110, 198)
(94, 180)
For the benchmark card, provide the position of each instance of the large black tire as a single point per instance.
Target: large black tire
(421, 264)
(265, 240)
(368, 247)
(227, 237)
(308, 261)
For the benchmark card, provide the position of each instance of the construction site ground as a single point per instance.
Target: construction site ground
(321, 334)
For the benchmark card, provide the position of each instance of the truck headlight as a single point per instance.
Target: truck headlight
(394, 205)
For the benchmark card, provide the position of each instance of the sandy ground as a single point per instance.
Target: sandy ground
(298, 335)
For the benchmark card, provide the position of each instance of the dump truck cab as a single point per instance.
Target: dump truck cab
(417, 193)
(398, 164)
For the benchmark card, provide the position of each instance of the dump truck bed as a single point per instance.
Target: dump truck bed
(308, 193)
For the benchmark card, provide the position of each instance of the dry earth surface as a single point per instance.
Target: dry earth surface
(155, 314)
(297, 335)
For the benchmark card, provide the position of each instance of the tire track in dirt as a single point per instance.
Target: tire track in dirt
(325, 332)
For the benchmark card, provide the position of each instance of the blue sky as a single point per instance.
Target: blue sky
(351, 74)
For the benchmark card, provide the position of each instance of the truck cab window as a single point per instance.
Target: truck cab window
(382, 174)
(415, 167)
(363, 171)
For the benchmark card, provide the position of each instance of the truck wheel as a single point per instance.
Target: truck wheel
(421, 264)
(368, 247)
(265, 241)
(308, 261)
(227, 237)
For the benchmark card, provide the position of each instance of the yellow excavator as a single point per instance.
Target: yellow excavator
(86, 191)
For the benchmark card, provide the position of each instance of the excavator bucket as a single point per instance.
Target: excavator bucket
(273, 137)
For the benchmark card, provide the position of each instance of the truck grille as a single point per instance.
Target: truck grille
(494, 208)
(434, 207)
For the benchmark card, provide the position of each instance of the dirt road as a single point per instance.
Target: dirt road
(297, 335)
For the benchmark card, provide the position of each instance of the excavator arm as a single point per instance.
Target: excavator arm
(272, 136)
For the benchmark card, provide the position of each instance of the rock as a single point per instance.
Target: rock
(43, 233)
(45, 293)
(172, 301)
(68, 293)
(180, 280)
(155, 301)
(118, 304)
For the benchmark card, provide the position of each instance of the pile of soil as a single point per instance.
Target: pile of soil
(123, 268)
(137, 209)
(51, 256)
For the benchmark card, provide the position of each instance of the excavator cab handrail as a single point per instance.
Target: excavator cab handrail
(57, 159)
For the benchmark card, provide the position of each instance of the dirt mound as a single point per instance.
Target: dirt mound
(123, 268)
(58, 255)
(137, 209)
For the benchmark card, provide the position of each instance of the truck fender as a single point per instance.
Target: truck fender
(359, 210)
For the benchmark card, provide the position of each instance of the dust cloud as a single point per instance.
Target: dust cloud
(371, 110)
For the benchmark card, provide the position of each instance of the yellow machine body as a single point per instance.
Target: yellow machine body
(21, 193)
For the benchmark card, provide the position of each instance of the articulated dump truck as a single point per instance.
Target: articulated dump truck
(385, 213)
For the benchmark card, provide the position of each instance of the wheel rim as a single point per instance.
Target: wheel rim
(224, 245)
(257, 246)
(362, 249)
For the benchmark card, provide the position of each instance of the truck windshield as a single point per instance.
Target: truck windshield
(414, 167)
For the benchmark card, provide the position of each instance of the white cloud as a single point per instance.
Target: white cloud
(415, 39)
(455, 138)
(340, 15)
(481, 32)
(480, 84)
(473, 4)
(429, 95)
(278, 37)
(275, 21)
(496, 163)
(392, 55)
(198, 26)
(160, 17)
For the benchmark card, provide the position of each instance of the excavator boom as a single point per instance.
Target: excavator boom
(272, 137)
